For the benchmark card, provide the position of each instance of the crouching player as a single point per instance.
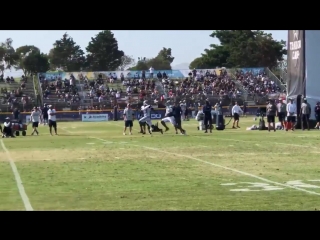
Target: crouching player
(7, 129)
(200, 119)
(169, 118)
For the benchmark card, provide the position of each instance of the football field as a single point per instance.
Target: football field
(92, 166)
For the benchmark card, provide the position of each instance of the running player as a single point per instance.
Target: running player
(169, 117)
(35, 117)
(52, 119)
(146, 109)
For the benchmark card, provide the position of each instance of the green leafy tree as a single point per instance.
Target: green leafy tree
(126, 62)
(161, 62)
(8, 55)
(23, 52)
(103, 52)
(66, 55)
(242, 48)
(36, 62)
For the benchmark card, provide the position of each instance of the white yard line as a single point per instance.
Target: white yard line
(17, 177)
(225, 168)
(67, 131)
(251, 141)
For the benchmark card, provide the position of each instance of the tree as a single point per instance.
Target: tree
(8, 56)
(165, 55)
(23, 52)
(66, 54)
(36, 62)
(161, 62)
(126, 62)
(242, 48)
(103, 52)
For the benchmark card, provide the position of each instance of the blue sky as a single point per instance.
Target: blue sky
(185, 45)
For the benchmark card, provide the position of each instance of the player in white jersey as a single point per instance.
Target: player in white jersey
(168, 117)
(183, 106)
(146, 110)
(52, 120)
(35, 118)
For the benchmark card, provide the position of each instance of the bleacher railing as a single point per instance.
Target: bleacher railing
(274, 78)
(37, 89)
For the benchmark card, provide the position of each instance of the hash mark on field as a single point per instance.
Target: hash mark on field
(16, 174)
(228, 184)
(122, 148)
(81, 158)
(116, 157)
(90, 143)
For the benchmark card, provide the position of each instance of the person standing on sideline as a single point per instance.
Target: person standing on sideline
(128, 116)
(291, 114)
(317, 113)
(35, 117)
(271, 113)
(16, 114)
(281, 113)
(151, 70)
(236, 111)
(207, 109)
(52, 120)
(45, 114)
(305, 114)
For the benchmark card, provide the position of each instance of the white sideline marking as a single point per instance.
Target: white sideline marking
(230, 169)
(24, 196)
(64, 129)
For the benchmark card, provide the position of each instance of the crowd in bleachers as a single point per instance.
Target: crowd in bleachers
(112, 87)
(203, 84)
(14, 97)
(63, 90)
(257, 83)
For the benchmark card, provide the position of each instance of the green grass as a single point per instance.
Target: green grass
(74, 171)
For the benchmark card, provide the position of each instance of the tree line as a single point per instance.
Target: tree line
(237, 48)
(241, 49)
(102, 54)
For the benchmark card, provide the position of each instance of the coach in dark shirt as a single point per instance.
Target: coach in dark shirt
(207, 109)
(45, 114)
(16, 114)
(177, 112)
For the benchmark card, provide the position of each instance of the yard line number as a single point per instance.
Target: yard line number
(258, 187)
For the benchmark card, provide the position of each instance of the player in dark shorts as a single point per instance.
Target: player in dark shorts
(52, 120)
(45, 114)
(177, 112)
(128, 115)
(271, 113)
(207, 109)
